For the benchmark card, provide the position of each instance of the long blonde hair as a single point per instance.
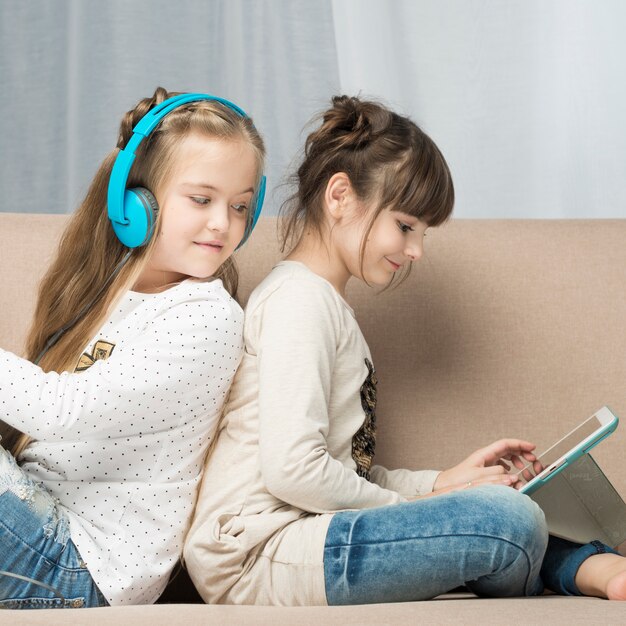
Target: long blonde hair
(89, 250)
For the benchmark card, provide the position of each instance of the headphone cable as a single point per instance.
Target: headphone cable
(57, 335)
(56, 592)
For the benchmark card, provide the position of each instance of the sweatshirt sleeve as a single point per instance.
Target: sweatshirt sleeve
(407, 482)
(298, 327)
(182, 363)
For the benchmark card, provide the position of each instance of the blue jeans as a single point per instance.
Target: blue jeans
(40, 566)
(491, 539)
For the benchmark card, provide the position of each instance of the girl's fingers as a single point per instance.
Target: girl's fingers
(504, 464)
(529, 472)
(529, 456)
(505, 448)
(519, 464)
(490, 470)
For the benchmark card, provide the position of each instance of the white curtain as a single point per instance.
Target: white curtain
(69, 69)
(526, 98)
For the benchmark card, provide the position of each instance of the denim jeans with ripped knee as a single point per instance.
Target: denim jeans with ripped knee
(40, 566)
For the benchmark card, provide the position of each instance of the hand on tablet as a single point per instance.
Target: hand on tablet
(491, 465)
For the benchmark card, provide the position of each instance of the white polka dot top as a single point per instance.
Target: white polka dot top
(121, 442)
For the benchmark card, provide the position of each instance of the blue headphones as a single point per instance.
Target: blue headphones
(133, 211)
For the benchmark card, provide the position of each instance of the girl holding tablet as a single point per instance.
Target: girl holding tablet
(292, 508)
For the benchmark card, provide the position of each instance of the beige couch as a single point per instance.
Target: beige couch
(505, 328)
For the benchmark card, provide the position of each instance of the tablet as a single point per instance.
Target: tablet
(576, 443)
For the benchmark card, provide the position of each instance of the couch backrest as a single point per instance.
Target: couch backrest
(505, 328)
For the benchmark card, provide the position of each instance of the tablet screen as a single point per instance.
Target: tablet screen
(588, 427)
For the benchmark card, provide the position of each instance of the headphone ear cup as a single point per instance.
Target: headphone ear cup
(258, 205)
(140, 209)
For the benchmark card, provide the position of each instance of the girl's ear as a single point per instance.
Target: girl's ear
(338, 195)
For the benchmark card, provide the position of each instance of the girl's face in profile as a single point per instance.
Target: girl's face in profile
(204, 208)
(396, 238)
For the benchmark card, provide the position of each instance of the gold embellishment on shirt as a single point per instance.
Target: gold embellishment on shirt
(364, 441)
(101, 352)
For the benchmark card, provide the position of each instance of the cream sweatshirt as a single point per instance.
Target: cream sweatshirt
(295, 446)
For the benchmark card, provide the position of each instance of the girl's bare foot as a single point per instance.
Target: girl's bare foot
(604, 576)
(616, 587)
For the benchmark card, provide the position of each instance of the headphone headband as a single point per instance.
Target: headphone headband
(117, 192)
(150, 120)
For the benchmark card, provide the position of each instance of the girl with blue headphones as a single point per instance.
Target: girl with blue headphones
(134, 344)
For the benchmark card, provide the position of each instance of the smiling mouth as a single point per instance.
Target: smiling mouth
(211, 247)
(396, 266)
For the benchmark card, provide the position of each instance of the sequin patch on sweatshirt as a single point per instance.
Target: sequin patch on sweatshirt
(364, 441)
(101, 352)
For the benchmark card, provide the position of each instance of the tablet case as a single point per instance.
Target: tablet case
(581, 505)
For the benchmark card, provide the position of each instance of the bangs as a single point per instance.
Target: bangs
(420, 184)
